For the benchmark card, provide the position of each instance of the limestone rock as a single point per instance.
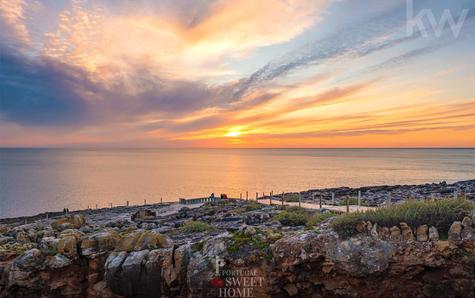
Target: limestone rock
(72, 232)
(5, 239)
(374, 231)
(422, 233)
(298, 249)
(99, 242)
(384, 233)
(467, 232)
(22, 237)
(67, 246)
(32, 259)
(57, 261)
(23, 270)
(140, 240)
(217, 246)
(433, 234)
(174, 265)
(71, 222)
(406, 232)
(455, 231)
(49, 245)
(137, 274)
(395, 234)
(369, 226)
(127, 242)
(151, 240)
(4, 229)
(199, 273)
(143, 215)
(361, 227)
(361, 255)
(467, 222)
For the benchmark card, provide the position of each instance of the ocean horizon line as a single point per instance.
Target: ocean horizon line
(242, 148)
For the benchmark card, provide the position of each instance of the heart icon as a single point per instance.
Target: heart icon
(217, 282)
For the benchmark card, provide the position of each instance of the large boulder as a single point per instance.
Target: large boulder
(22, 237)
(299, 249)
(433, 234)
(144, 215)
(406, 232)
(455, 231)
(174, 266)
(467, 232)
(422, 233)
(395, 234)
(49, 245)
(31, 259)
(68, 246)
(24, 268)
(140, 240)
(71, 222)
(361, 255)
(99, 242)
(57, 261)
(137, 274)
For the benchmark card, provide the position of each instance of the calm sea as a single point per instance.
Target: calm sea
(37, 180)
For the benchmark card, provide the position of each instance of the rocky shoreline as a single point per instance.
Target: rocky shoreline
(370, 196)
(234, 248)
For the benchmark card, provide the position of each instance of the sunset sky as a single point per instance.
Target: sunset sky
(228, 73)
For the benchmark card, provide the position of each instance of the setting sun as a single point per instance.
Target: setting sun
(233, 134)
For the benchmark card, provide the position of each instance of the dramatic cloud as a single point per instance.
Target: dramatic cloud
(41, 92)
(231, 73)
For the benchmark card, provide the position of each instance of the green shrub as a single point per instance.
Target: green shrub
(197, 246)
(196, 227)
(241, 239)
(296, 209)
(291, 218)
(440, 214)
(318, 218)
(251, 206)
(291, 197)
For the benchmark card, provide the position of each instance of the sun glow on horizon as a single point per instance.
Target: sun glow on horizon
(233, 134)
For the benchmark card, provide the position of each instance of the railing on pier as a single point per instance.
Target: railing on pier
(198, 200)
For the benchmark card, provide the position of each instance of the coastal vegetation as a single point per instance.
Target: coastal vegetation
(291, 197)
(439, 214)
(291, 218)
(196, 226)
(295, 216)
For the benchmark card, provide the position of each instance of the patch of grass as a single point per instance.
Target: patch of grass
(252, 206)
(440, 214)
(241, 239)
(291, 197)
(291, 218)
(196, 227)
(297, 216)
(318, 218)
(296, 209)
(197, 246)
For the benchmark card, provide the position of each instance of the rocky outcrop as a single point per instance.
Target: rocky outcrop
(70, 222)
(143, 215)
(244, 251)
(99, 242)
